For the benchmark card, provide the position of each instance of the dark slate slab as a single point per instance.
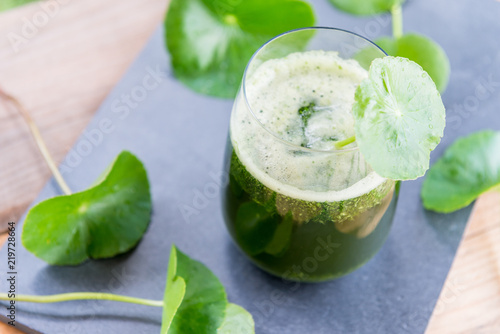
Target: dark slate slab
(180, 136)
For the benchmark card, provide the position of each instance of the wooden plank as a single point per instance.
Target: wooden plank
(470, 300)
(62, 74)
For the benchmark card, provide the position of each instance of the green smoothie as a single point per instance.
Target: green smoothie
(296, 206)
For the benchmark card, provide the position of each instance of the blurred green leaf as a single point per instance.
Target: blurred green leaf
(422, 50)
(210, 42)
(8, 4)
(365, 56)
(365, 7)
(468, 168)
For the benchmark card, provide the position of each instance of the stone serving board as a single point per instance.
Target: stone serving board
(180, 136)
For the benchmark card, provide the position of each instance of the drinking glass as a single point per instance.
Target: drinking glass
(297, 211)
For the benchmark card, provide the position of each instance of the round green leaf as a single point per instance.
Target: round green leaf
(210, 42)
(469, 167)
(203, 298)
(422, 50)
(365, 7)
(195, 301)
(103, 221)
(399, 118)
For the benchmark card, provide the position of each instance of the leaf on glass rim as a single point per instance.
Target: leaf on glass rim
(365, 7)
(468, 168)
(422, 50)
(8, 4)
(210, 42)
(199, 303)
(100, 222)
(399, 118)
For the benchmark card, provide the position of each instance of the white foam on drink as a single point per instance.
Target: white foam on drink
(276, 90)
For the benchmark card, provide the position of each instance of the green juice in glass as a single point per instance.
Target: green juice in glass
(296, 206)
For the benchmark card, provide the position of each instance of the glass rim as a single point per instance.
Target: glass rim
(243, 85)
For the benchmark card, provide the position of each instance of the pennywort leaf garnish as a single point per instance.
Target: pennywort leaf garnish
(210, 42)
(468, 168)
(194, 301)
(100, 222)
(365, 7)
(399, 118)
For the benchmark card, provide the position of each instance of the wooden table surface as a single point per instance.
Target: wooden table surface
(63, 69)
